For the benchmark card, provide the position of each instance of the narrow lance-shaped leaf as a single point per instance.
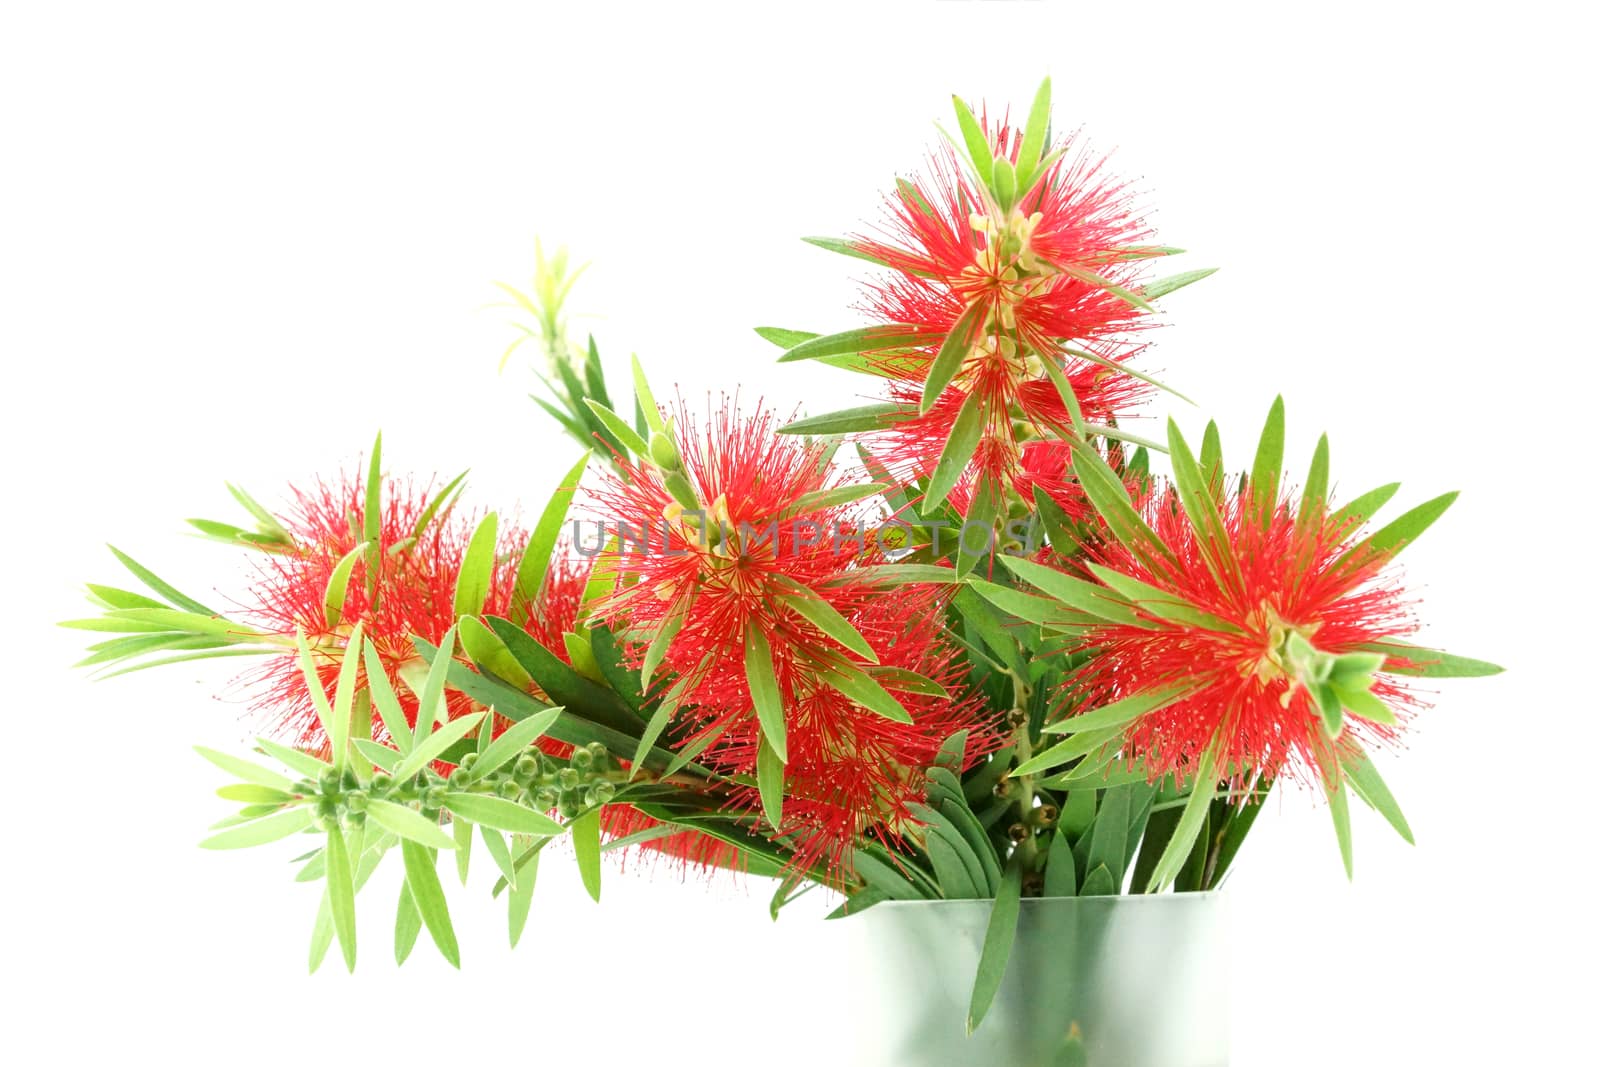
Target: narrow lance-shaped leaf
(959, 448)
(342, 894)
(333, 596)
(1268, 467)
(422, 878)
(586, 846)
(477, 568)
(372, 520)
(769, 782)
(997, 941)
(764, 691)
(958, 343)
(535, 563)
(408, 823)
(977, 143)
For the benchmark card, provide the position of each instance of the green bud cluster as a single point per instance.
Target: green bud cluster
(586, 779)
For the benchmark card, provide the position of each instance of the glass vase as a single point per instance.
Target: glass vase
(1128, 981)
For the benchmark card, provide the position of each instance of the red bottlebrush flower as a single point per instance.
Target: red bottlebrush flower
(952, 247)
(413, 595)
(1048, 279)
(1279, 580)
(765, 540)
(852, 774)
(735, 562)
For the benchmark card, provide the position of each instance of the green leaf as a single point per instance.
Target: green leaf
(1339, 808)
(262, 831)
(1363, 507)
(977, 144)
(646, 399)
(408, 823)
(1110, 498)
(822, 499)
(1073, 592)
(1173, 282)
(441, 504)
(1368, 784)
(246, 770)
(1391, 539)
(162, 589)
(294, 759)
(785, 338)
(662, 641)
(1099, 883)
(764, 691)
(510, 744)
(1161, 603)
(1314, 498)
(959, 448)
(428, 895)
(629, 438)
(864, 419)
(997, 941)
(867, 339)
(1268, 467)
(894, 574)
(250, 793)
(1098, 281)
(1429, 662)
(435, 744)
(1189, 823)
(535, 562)
(1195, 494)
(586, 846)
(1032, 147)
(372, 518)
(342, 894)
(949, 870)
(338, 583)
(864, 690)
(521, 898)
(501, 814)
(1035, 609)
(495, 844)
(1120, 712)
(1060, 875)
(485, 648)
(953, 352)
(407, 925)
(1108, 839)
(1064, 389)
(825, 617)
(390, 713)
(344, 695)
(477, 568)
(769, 781)
(379, 755)
(843, 247)
(319, 696)
(429, 700)
(1211, 460)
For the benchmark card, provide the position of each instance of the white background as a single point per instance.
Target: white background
(234, 243)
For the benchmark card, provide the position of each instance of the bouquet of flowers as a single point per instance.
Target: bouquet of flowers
(965, 641)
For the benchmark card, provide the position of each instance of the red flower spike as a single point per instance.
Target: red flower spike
(1040, 276)
(738, 565)
(1277, 579)
(414, 595)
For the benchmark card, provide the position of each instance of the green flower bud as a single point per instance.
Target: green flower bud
(356, 802)
(326, 808)
(547, 797)
(601, 793)
(354, 820)
(598, 751)
(582, 759)
(568, 807)
(509, 789)
(664, 452)
(329, 781)
(468, 761)
(567, 778)
(526, 769)
(433, 797)
(381, 781)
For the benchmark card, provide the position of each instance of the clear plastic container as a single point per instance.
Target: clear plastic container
(1142, 979)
